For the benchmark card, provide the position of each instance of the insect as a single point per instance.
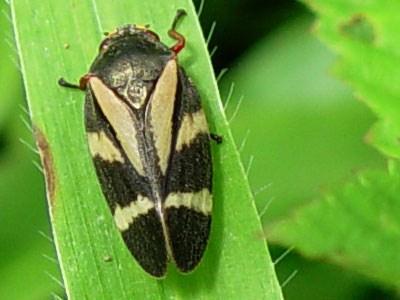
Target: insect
(150, 144)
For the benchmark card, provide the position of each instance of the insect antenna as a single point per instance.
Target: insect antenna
(180, 39)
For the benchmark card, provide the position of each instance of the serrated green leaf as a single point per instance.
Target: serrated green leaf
(358, 226)
(386, 138)
(365, 35)
(293, 111)
(60, 39)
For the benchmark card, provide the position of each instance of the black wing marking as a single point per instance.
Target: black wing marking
(122, 185)
(189, 176)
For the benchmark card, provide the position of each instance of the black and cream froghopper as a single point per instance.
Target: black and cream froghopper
(150, 145)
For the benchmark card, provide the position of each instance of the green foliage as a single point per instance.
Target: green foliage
(370, 65)
(358, 225)
(24, 252)
(300, 120)
(26, 257)
(303, 138)
(8, 88)
(327, 198)
(237, 263)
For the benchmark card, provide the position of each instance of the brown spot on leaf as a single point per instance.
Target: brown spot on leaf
(47, 163)
(358, 27)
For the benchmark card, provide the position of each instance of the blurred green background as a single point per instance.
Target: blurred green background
(299, 129)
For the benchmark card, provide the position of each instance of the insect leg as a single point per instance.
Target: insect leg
(82, 82)
(216, 138)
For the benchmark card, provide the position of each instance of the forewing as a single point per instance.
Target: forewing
(159, 114)
(188, 201)
(113, 142)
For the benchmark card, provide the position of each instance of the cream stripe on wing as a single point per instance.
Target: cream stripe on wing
(124, 216)
(101, 145)
(200, 201)
(160, 110)
(120, 118)
(192, 125)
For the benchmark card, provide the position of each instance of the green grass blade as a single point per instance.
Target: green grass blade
(24, 253)
(237, 264)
